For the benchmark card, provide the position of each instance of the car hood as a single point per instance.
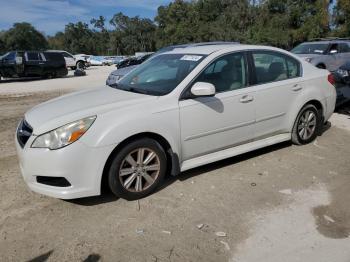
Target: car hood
(68, 108)
(123, 71)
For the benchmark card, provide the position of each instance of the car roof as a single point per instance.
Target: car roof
(328, 41)
(208, 49)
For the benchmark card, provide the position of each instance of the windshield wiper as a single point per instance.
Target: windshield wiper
(140, 91)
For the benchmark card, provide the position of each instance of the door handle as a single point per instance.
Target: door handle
(296, 87)
(246, 99)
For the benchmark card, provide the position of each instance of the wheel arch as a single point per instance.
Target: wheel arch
(317, 103)
(173, 163)
(321, 65)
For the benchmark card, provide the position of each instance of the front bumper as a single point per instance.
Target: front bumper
(81, 165)
(112, 79)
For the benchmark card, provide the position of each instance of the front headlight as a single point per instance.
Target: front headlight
(343, 73)
(64, 135)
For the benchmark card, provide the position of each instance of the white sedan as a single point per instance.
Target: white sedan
(178, 110)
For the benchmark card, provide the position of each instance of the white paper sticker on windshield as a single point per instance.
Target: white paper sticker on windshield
(191, 57)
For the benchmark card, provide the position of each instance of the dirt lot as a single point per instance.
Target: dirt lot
(283, 203)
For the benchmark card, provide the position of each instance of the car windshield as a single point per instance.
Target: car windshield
(159, 75)
(310, 49)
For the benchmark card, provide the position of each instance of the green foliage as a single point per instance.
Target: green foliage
(342, 18)
(281, 23)
(23, 36)
(132, 34)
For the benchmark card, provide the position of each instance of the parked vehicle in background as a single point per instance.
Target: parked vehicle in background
(179, 110)
(32, 64)
(82, 61)
(123, 70)
(327, 54)
(73, 62)
(116, 75)
(117, 59)
(133, 60)
(96, 60)
(342, 74)
(342, 78)
(108, 60)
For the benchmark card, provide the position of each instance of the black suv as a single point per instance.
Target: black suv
(32, 64)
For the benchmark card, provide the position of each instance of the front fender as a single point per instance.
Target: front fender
(110, 129)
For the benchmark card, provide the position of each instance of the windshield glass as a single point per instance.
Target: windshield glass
(159, 75)
(310, 49)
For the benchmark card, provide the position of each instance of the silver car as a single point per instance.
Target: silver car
(326, 54)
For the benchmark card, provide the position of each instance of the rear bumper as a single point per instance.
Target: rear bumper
(330, 105)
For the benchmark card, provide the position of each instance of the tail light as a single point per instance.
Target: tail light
(331, 79)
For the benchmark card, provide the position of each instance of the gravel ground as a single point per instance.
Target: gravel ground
(284, 202)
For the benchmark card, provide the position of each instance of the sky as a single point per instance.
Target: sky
(50, 16)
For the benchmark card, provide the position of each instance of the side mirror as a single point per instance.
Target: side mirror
(334, 51)
(203, 89)
(19, 60)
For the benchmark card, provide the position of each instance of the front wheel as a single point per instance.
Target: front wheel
(80, 65)
(137, 169)
(306, 125)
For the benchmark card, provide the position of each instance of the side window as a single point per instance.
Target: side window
(226, 73)
(293, 67)
(333, 49)
(271, 67)
(33, 56)
(344, 48)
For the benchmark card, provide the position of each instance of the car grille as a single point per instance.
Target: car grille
(24, 131)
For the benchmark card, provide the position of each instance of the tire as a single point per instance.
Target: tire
(306, 130)
(80, 65)
(137, 182)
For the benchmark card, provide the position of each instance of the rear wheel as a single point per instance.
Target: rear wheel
(137, 169)
(306, 125)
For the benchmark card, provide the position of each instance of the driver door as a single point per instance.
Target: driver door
(210, 124)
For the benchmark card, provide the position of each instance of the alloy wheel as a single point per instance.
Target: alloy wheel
(307, 124)
(139, 170)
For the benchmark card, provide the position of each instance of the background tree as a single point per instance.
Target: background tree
(101, 36)
(134, 34)
(342, 18)
(78, 38)
(56, 42)
(281, 23)
(23, 36)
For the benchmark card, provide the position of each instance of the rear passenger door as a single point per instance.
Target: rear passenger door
(33, 64)
(276, 80)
